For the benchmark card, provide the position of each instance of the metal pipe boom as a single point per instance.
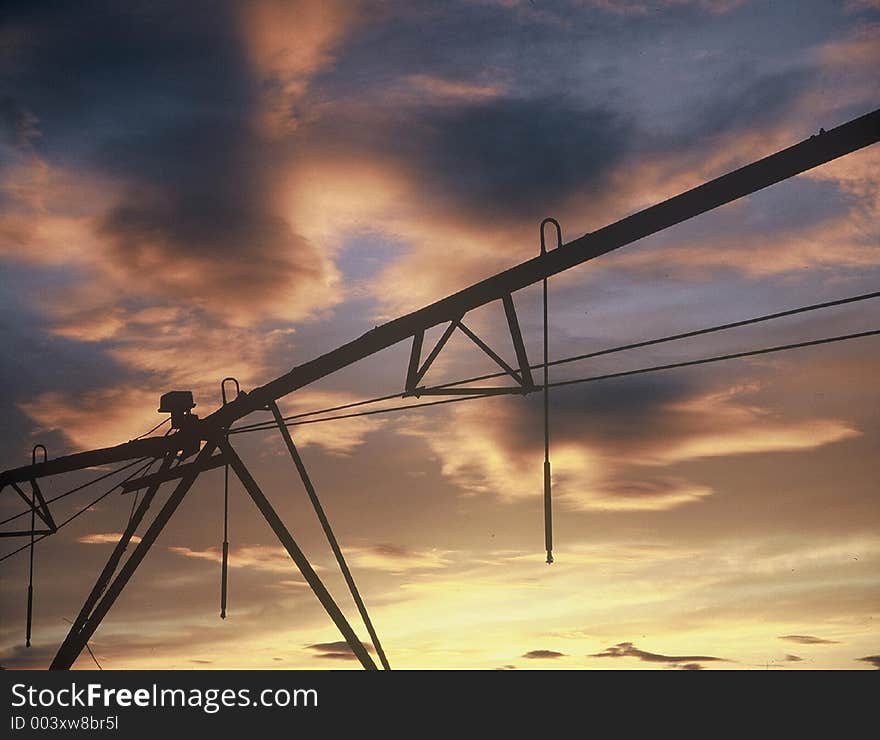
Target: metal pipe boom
(817, 150)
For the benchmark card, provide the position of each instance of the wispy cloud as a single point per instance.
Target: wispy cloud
(339, 650)
(543, 655)
(105, 538)
(397, 559)
(257, 557)
(808, 640)
(628, 650)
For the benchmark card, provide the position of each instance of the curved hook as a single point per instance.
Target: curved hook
(223, 388)
(558, 233)
(34, 454)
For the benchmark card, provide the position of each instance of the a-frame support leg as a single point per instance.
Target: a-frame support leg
(297, 555)
(328, 532)
(119, 550)
(79, 635)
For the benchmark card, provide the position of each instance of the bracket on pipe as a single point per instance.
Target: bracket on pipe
(548, 503)
(224, 567)
(522, 374)
(36, 500)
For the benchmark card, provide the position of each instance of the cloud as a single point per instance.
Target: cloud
(123, 413)
(518, 157)
(808, 640)
(641, 8)
(874, 660)
(147, 352)
(288, 43)
(365, 162)
(35, 657)
(106, 538)
(340, 650)
(256, 557)
(543, 655)
(18, 125)
(793, 658)
(339, 437)
(171, 244)
(614, 446)
(193, 184)
(216, 253)
(593, 164)
(628, 650)
(396, 559)
(187, 210)
(442, 90)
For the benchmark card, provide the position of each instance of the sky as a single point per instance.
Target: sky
(191, 191)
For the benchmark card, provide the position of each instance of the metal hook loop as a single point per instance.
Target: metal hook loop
(558, 233)
(223, 388)
(34, 454)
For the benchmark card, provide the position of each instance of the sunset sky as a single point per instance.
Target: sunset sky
(190, 191)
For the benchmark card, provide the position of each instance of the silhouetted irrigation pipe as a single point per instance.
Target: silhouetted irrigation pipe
(80, 487)
(591, 379)
(575, 358)
(82, 511)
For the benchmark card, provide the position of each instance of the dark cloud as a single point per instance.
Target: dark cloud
(874, 660)
(745, 98)
(508, 667)
(339, 650)
(518, 157)
(17, 125)
(38, 366)
(808, 640)
(509, 158)
(127, 68)
(628, 650)
(691, 667)
(391, 551)
(550, 135)
(543, 654)
(168, 97)
(611, 413)
(34, 657)
(793, 658)
(627, 419)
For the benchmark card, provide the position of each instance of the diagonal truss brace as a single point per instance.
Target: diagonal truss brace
(37, 505)
(162, 475)
(297, 555)
(105, 592)
(108, 588)
(328, 533)
(522, 375)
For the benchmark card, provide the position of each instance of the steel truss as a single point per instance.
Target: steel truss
(207, 438)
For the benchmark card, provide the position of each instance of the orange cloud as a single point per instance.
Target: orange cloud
(335, 197)
(175, 350)
(100, 418)
(438, 89)
(338, 437)
(396, 559)
(256, 557)
(473, 446)
(105, 538)
(288, 43)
